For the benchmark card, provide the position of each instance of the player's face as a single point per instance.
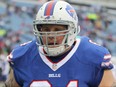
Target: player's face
(54, 37)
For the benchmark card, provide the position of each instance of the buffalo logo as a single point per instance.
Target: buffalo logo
(71, 11)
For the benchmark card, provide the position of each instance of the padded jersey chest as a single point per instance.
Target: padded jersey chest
(33, 69)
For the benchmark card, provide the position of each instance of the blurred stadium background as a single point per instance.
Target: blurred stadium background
(97, 19)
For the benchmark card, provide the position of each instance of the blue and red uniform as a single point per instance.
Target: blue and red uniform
(83, 66)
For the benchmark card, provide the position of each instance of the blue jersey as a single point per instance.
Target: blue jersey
(83, 66)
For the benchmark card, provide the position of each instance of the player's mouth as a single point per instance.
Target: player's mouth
(52, 45)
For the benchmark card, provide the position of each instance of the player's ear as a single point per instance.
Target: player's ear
(108, 79)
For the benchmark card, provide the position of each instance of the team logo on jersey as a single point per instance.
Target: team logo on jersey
(54, 66)
(71, 11)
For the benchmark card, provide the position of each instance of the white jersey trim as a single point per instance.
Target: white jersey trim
(56, 66)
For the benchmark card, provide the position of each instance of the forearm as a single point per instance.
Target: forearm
(108, 79)
(11, 82)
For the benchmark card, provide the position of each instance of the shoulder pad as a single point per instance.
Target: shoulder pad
(91, 53)
(19, 53)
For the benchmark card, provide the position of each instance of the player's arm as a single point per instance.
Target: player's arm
(11, 82)
(108, 79)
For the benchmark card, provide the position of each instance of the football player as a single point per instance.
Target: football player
(56, 58)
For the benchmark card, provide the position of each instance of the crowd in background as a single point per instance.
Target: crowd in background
(16, 27)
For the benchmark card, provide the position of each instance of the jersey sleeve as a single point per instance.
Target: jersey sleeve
(106, 63)
(17, 55)
(18, 60)
(96, 56)
(12, 59)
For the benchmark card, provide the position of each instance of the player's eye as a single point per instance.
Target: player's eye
(38, 27)
(60, 29)
(45, 29)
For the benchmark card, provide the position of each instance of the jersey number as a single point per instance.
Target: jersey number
(73, 83)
